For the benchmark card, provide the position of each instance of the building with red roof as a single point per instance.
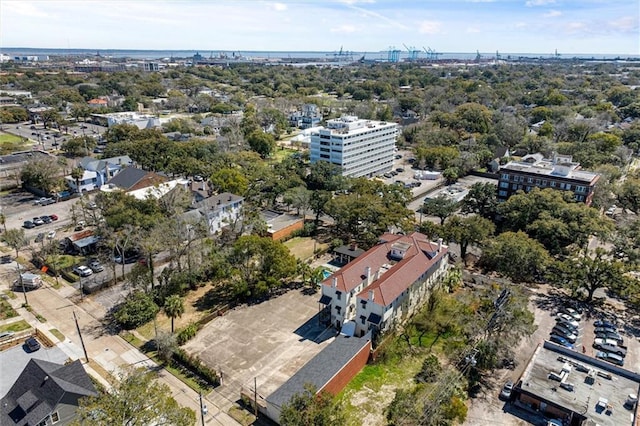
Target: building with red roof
(385, 285)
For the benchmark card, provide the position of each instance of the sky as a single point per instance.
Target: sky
(508, 26)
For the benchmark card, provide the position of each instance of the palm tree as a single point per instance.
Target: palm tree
(317, 275)
(3, 221)
(173, 307)
(77, 174)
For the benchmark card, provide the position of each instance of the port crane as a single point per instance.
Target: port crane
(431, 54)
(413, 52)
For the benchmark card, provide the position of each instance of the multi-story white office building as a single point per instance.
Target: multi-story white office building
(359, 147)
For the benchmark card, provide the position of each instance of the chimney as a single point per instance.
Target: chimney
(353, 246)
(371, 295)
(334, 284)
(229, 199)
(439, 244)
(204, 186)
(219, 201)
(367, 274)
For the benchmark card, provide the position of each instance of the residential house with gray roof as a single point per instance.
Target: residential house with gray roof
(97, 172)
(217, 211)
(46, 393)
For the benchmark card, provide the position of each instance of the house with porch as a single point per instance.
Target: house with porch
(218, 211)
(97, 172)
(383, 287)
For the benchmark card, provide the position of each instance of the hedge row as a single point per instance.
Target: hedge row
(196, 366)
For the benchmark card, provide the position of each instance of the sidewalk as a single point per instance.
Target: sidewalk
(109, 351)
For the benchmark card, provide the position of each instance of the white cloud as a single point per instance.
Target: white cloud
(575, 27)
(473, 30)
(531, 3)
(344, 29)
(280, 7)
(552, 14)
(625, 24)
(430, 27)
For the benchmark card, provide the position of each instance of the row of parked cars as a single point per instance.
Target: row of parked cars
(609, 343)
(567, 328)
(39, 221)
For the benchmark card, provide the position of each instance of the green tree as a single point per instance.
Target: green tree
(173, 307)
(517, 256)
(473, 117)
(136, 399)
(16, 239)
(470, 230)
(441, 207)
(230, 180)
(77, 174)
(41, 174)
(629, 194)
(310, 408)
(137, 309)
(262, 143)
(589, 273)
(481, 199)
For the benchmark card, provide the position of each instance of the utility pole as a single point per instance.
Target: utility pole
(80, 334)
(255, 395)
(24, 292)
(201, 408)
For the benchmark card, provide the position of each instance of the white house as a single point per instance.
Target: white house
(218, 211)
(383, 287)
(97, 172)
(359, 147)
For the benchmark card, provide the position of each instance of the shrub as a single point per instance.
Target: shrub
(196, 366)
(139, 308)
(187, 333)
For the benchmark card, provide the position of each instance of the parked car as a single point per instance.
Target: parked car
(565, 332)
(568, 326)
(96, 266)
(604, 330)
(79, 226)
(6, 334)
(37, 221)
(82, 271)
(555, 338)
(599, 341)
(92, 206)
(28, 224)
(45, 219)
(572, 312)
(568, 318)
(51, 235)
(32, 344)
(610, 335)
(39, 237)
(399, 170)
(612, 349)
(605, 324)
(39, 201)
(44, 201)
(53, 217)
(611, 357)
(506, 391)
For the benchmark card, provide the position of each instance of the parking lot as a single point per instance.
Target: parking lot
(545, 302)
(269, 341)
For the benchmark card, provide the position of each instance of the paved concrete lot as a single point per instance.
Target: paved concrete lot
(269, 341)
(13, 361)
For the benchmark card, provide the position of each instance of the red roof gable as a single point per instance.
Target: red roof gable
(396, 275)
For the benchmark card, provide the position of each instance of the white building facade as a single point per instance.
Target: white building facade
(383, 287)
(360, 147)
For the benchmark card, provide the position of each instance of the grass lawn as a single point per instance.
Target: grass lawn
(369, 393)
(302, 247)
(16, 326)
(8, 138)
(57, 333)
(6, 310)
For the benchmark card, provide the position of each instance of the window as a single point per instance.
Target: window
(55, 418)
(502, 193)
(553, 184)
(504, 184)
(505, 176)
(530, 180)
(43, 422)
(338, 295)
(362, 318)
(338, 309)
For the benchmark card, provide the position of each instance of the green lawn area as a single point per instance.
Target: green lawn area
(6, 310)
(302, 247)
(15, 326)
(8, 138)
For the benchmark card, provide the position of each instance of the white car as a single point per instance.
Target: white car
(575, 314)
(82, 270)
(597, 342)
(51, 235)
(567, 318)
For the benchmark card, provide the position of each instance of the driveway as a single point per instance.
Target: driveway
(268, 342)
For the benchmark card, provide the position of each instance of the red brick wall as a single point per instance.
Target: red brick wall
(349, 371)
(285, 232)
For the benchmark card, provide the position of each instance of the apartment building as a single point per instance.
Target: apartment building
(359, 147)
(535, 171)
(384, 286)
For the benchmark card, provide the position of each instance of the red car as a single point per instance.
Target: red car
(53, 217)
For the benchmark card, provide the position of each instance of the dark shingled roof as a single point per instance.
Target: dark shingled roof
(349, 251)
(132, 178)
(38, 390)
(320, 369)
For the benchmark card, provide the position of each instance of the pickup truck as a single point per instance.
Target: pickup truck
(612, 349)
(44, 201)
